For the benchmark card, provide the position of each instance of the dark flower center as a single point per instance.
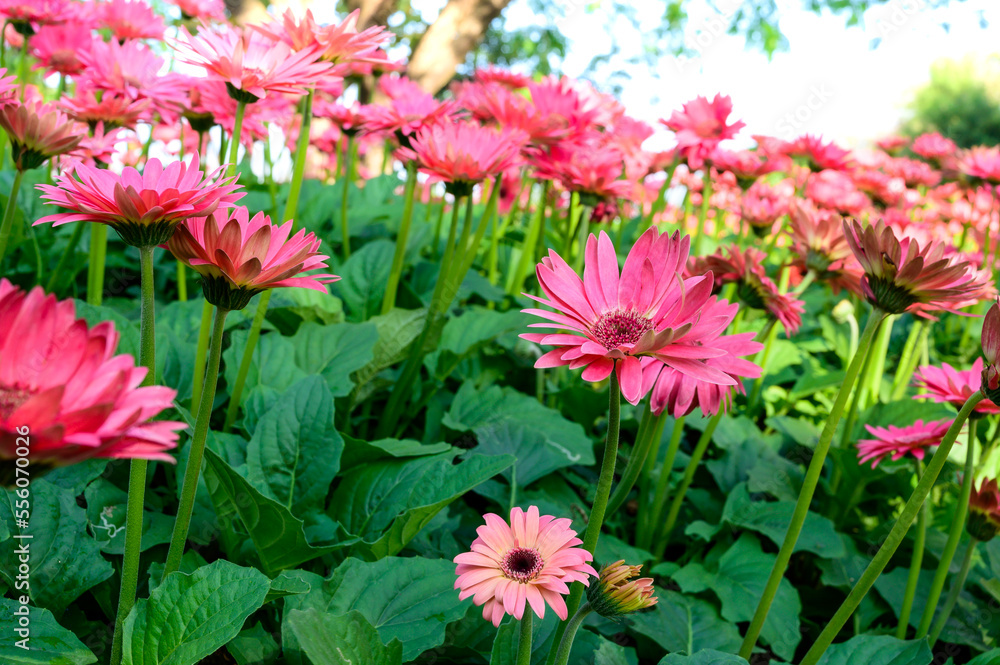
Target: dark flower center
(887, 295)
(522, 564)
(10, 399)
(620, 327)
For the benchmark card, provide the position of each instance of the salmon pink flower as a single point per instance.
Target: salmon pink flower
(835, 190)
(616, 594)
(680, 394)
(893, 145)
(746, 165)
(897, 442)
(900, 275)
(60, 381)
(404, 115)
(38, 131)
(504, 77)
(614, 320)
(250, 63)
(953, 386)
(984, 510)
(589, 167)
(934, 148)
(143, 208)
(463, 153)
(981, 165)
(204, 10)
(761, 206)
(130, 19)
(109, 109)
(132, 70)
(238, 257)
(528, 563)
(819, 245)
(24, 15)
(701, 125)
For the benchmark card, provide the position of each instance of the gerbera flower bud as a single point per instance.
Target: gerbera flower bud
(143, 208)
(900, 274)
(239, 257)
(62, 387)
(38, 131)
(617, 592)
(529, 562)
(983, 522)
(991, 351)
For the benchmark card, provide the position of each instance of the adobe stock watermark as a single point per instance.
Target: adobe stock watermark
(890, 18)
(793, 123)
(700, 35)
(22, 516)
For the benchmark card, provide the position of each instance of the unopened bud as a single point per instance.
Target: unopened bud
(616, 592)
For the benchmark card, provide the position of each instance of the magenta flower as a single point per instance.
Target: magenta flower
(58, 48)
(463, 152)
(131, 70)
(238, 257)
(130, 19)
(143, 208)
(701, 125)
(897, 442)
(981, 164)
(588, 166)
(528, 563)
(61, 381)
(953, 386)
(818, 155)
(614, 320)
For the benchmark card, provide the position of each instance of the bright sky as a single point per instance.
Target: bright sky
(829, 81)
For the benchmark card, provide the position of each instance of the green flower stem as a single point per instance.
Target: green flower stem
(95, 267)
(706, 196)
(299, 167)
(954, 535)
(571, 627)
(653, 431)
(956, 590)
(22, 67)
(350, 149)
(877, 369)
(664, 529)
(895, 537)
(234, 143)
(498, 235)
(9, 212)
(197, 450)
(529, 245)
(182, 288)
(908, 359)
(660, 202)
(137, 468)
(411, 369)
(236, 395)
(572, 218)
(768, 333)
(597, 511)
(436, 249)
(651, 513)
(916, 561)
(469, 251)
(204, 333)
(809, 484)
(402, 237)
(524, 638)
(64, 259)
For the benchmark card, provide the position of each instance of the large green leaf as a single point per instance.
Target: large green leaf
(508, 421)
(357, 452)
(468, 332)
(189, 617)
(703, 657)
(363, 279)
(396, 332)
(106, 507)
(411, 599)
(878, 650)
(47, 642)
(387, 502)
(682, 623)
(347, 639)
(279, 537)
(504, 651)
(739, 583)
(294, 453)
(772, 518)
(65, 560)
(254, 646)
(334, 352)
(273, 364)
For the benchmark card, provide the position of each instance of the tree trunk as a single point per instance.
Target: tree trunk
(458, 29)
(373, 12)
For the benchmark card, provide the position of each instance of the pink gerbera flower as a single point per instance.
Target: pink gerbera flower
(130, 19)
(701, 125)
(935, 148)
(984, 510)
(249, 62)
(60, 381)
(818, 155)
(900, 275)
(680, 394)
(527, 563)
(981, 165)
(132, 70)
(746, 165)
(504, 77)
(238, 257)
(204, 10)
(761, 205)
(953, 386)
(613, 320)
(819, 245)
(587, 166)
(109, 109)
(404, 115)
(58, 48)
(142, 207)
(464, 152)
(27, 13)
(38, 131)
(897, 442)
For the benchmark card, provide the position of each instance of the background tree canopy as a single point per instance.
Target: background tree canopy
(961, 101)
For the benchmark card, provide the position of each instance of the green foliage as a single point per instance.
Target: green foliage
(961, 101)
(48, 642)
